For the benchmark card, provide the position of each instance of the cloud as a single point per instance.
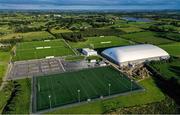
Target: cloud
(92, 2)
(58, 3)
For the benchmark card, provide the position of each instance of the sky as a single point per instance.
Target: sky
(90, 4)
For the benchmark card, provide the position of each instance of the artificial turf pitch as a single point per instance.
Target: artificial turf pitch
(92, 83)
(41, 49)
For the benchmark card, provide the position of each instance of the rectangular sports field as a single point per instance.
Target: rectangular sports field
(92, 83)
(101, 42)
(41, 49)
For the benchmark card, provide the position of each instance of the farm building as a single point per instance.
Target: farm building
(89, 52)
(132, 55)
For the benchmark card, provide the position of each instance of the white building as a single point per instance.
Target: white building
(131, 55)
(102, 63)
(57, 15)
(89, 52)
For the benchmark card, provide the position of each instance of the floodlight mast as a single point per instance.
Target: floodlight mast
(49, 101)
(79, 96)
(131, 85)
(39, 87)
(109, 88)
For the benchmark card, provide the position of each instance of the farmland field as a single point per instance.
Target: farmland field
(173, 36)
(131, 29)
(5, 29)
(56, 31)
(125, 24)
(36, 36)
(168, 69)
(4, 60)
(20, 103)
(29, 36)
(173, 49)
(101, 42)
(41, 49)
(146, 37)
(91, 83)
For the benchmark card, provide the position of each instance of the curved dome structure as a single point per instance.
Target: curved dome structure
(135, 54)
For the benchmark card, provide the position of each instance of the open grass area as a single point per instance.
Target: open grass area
(152, 94)
(41, 49)
(5, 29)
(125, 24)
(146, 37)
(56, 31)
(173, 49)
(100, 42)
(29, 36)
(41, 35)
(168, 69)
(91, 83)
(4, 60)
(93, 58)
(4, 94)
(131, 29)
(19, 102)
(173, 36)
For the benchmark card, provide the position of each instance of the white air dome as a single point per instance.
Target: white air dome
(134, 52)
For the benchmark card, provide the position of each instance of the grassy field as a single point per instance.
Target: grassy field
(4, 94)
(173, 49)
(56, 31)
(41, 49)
(36, 36)
(168, 69)
(152, 94)
(130, 29)
(101, 42)
(173, 36)
(92, 83)
(4, 60)
(19, 102)
(29, 36)
(125, 24)
(5, 29)
(146, 37)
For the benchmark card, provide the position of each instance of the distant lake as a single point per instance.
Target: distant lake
(137, 19)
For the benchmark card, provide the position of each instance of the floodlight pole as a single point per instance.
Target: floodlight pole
(50, 101)
(39, 87)
(131, 85)
(79, 98)
(109, 88)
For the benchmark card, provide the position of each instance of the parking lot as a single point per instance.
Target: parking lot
(25, 69)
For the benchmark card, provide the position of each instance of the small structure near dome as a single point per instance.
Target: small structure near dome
(89, 52)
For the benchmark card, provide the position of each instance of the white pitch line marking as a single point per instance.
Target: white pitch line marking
(62, 65)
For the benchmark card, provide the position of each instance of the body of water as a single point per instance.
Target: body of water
(137, 19)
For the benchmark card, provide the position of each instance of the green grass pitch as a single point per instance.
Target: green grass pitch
(101, 42)
(92, 83)
(29, 50)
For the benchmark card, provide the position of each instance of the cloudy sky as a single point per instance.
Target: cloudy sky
(89, 4)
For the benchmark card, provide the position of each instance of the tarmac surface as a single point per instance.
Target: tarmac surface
(41, 67)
